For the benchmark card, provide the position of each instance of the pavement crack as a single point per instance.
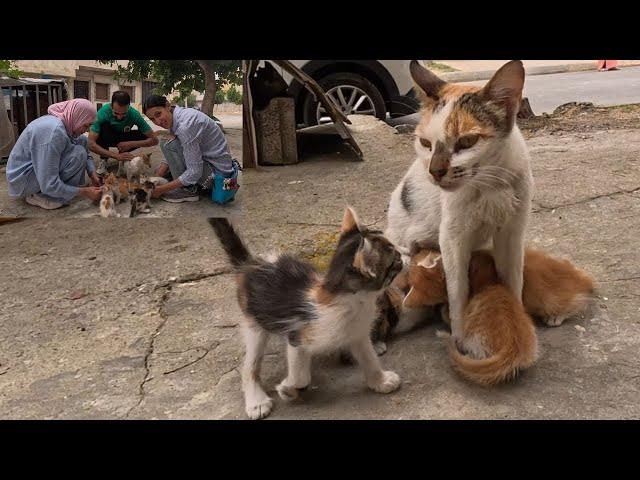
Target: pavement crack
(313, 224)
(149, 352)
(224, 374)
(549, 208)
(212, 347)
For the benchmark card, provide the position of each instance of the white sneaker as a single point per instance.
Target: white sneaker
(40, 201)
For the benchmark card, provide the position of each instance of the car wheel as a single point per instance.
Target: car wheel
(352, 93)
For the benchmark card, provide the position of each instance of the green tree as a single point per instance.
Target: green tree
(191, 100)
(234, 95)
(183, 75)
(7, 67)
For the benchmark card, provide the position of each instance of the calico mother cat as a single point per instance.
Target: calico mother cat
(471, 185)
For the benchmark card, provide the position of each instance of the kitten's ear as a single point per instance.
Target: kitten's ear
(413, 299)
(505, 87)
(429, 85)
(349, 221)
(430, 260)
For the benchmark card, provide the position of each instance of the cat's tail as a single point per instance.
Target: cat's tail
(231, 242)
(500, 367)
(518, 350)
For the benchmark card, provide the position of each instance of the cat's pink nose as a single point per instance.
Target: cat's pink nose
(437, 174)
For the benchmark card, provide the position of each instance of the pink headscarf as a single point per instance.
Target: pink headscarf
(74, 114)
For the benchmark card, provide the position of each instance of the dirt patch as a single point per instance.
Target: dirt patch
(581, 117)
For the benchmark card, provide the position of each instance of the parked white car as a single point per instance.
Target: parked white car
(383, 88)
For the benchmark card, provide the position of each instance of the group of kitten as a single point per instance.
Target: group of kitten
(455, 239)
(137, 187)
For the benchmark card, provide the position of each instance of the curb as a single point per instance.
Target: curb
(544, 70)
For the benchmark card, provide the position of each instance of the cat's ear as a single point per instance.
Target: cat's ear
(505, 87)
(349, 221)
(429, 85)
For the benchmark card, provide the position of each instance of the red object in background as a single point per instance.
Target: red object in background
(607, 64)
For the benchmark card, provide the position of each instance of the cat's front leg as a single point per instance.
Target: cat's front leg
(377, 379)
(257, 403)
(456, 255)
(298, 373)
(508, 246)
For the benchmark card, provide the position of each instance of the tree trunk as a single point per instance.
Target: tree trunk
(209, 86)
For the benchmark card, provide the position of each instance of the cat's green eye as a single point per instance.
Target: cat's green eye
(467, 141)
(425, 143)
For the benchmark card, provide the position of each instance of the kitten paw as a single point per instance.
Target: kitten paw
(555, 321)
(286, 392)
(388, 382)
(380, 348)
(259, 409)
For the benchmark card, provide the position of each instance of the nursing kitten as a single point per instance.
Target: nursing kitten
(498, 337)
(315, 314)
(140, 198)
(138, 166)
(471, 184)
(553, 290)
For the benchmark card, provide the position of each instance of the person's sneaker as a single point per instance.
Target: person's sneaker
(42, 202)
(181, 195)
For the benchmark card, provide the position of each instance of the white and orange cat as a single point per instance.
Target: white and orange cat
(498, 336)
(471, 184)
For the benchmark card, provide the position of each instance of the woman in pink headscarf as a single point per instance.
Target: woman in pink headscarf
(48, 162)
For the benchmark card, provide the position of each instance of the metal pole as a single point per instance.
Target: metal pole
(24, 102)
(11, 105)
(37, 102)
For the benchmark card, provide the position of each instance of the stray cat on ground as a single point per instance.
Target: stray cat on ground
(314, 313)
(553, 289)
(138, 166)
(140, 198)
(471, 184)
(107, 204)
(499, 336)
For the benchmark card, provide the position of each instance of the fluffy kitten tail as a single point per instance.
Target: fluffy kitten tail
(518, 353)
(231, 242)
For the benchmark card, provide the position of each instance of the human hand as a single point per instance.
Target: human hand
(124, 157)
(92, 193)
(125, 146)
(95, 179)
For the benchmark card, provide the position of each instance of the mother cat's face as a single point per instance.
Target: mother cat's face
(462, 127)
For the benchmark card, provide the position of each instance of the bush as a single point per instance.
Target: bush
(219, 96)
(234, 96)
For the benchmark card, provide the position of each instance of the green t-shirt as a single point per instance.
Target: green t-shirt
(132, 118)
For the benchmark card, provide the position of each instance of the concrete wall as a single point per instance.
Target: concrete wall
(88, 70)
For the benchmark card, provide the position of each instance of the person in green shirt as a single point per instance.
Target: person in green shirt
(113, 128)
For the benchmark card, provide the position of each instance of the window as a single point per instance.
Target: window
(102, 91)
(81, 89)
(130, 90)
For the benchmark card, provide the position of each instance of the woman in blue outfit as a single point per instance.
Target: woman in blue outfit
(47, 165)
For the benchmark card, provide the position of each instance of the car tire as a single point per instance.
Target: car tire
(349, 80)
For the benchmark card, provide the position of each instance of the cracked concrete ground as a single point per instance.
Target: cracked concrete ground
(84, 208)
(139, 319)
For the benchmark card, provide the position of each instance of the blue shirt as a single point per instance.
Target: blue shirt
(41, 149)
(202, 140)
